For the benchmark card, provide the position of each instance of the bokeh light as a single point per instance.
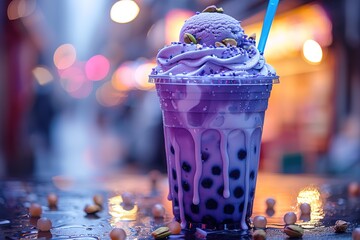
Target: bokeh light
(108, 96)
(142, 76)
(42, 75)
(64, 56)
(97, 68)
(312, 51)
(123, 78)
(174, 20)
(20, 8)
(124, 11)
(72, 78)
(312, 196)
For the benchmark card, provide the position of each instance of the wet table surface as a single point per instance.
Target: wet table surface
(328, 197)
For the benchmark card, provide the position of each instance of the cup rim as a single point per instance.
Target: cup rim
(214, 80)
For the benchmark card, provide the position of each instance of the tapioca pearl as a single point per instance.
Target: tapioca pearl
(255, 149)
(207, 183)
(172, 150)
(176, 202)
(173, 173)
(238, 192)
(242, 154)
(220, 191)
(211, 204)
(188, 218)
(235, 174)
(186, 166)
(204, 156)
(185, 185)
(194, 208)
(252, 175)
(241, 207)
(209, 220)
(176, 188)
(229, 209)
(216, 170)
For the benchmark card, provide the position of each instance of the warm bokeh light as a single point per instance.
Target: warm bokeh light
(312, 196)
(72, 78)
(64, 56)
(312, 51)
(20, 8)
(142, 76)
(306, 22)
(123, 78)
(42, 75)
(107, 96)
(97, 68)
(121, 212)
(174, 20)
(124, 11)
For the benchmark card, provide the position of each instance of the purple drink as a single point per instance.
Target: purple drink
(213, 87)
(212, 137)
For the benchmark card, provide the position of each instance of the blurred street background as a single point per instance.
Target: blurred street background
(74, 96)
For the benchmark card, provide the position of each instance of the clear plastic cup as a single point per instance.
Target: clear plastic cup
(213, 128)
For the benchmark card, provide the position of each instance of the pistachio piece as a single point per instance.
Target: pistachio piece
(340, 226)
(219, 44)
(161, 232)
(294, 231)
(91, 209)
(229, 41)
(253, 36)
(213, 8)
(189, 38)
(259, 234)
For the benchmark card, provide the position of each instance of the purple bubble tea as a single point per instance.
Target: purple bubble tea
(213, 91)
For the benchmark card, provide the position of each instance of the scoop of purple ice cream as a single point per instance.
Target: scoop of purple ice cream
(212, 43)
(211, 27)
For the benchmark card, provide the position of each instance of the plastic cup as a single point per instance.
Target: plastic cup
(212, 129)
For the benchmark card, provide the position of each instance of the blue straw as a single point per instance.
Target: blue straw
(269, 16)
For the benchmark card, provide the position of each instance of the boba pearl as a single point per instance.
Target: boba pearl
(44, 224)
(305, 208)
(128, 198)
(260, 222)
(290, 218)
(52, 199)
(174, 227)
(118, 234)
(356, 234)
(35, 210)
(270, 203)
(158, 210)
(98, 200)
(354, 189)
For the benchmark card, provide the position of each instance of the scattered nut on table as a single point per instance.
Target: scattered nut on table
(92, 208)
(270, 202)
(128, 198)
(35, 210)
(52, 199)
(305, 208)
(290, 218)
(118, 234)
(259, 234)
(158, 210)
(354, 189)
(161, 232)
(356, 234)
(174, 227)
(44, 224)
(98, 200)
(340, 226)
(259, 222)
(294, 231)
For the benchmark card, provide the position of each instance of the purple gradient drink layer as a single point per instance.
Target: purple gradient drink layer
(212, 137)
